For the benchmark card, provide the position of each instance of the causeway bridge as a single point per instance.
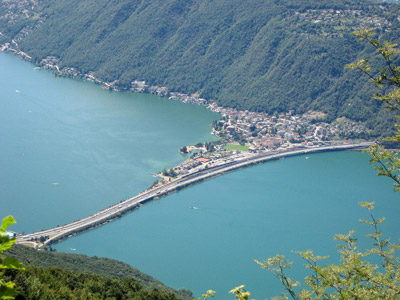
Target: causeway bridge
(44, 238)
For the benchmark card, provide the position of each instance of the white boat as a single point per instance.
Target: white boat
(18, 91)
(194, 207)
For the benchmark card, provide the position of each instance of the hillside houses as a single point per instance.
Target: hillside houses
(262, 131)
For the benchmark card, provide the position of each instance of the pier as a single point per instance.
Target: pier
(44, 238)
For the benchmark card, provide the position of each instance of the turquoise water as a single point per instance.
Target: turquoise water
(255, 213)
(69, 148)
(102, 147)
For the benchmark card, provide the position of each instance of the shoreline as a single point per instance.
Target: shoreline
(43, 239)
(208, 159)
(274, 130)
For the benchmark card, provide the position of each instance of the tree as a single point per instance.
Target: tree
(388, 79)
(7, 287)
(172, 173)
(356, 277)
(165, 172)
(184, 150)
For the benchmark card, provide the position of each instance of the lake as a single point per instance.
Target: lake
(70, 148)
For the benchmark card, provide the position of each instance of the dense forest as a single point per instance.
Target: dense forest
(260, 55)
(53, 275)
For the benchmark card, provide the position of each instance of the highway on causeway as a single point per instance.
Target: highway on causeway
(104, 216)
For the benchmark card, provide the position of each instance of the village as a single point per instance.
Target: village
(343, 20)
(243, 134)
(240, 133)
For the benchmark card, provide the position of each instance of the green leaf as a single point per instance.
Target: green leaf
(6, 244)
(7, 290)
(11, 263)
(367, 205)
(7, 221)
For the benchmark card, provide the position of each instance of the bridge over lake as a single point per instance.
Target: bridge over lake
(44, 238)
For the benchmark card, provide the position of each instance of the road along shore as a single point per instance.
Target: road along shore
(42, 239)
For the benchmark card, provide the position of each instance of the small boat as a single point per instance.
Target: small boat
(17, 91)
(73, 249)
(307, 157)
(194, 207)
(56, 183)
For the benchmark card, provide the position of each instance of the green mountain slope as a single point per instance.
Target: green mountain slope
(262, 55)
(53, 270)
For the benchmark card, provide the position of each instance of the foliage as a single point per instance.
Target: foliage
(183, 150)
(373, 273)
(169, 173)
(207, 295)
(259, 55)
(156, 182)
(240, 293)
(388, 79)
(355, 277)
(7, 287)
(57, 283)
(82, 264)
(210, 146)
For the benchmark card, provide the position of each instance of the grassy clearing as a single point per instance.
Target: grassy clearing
(233, 147)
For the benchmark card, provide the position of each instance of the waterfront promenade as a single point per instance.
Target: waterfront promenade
(46, 237)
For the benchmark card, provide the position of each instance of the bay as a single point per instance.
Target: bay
(70, 148)
(255, 213)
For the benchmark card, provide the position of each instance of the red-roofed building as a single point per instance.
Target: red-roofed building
(202, 159)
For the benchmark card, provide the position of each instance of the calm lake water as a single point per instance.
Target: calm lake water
(69, 148)
(102, 147)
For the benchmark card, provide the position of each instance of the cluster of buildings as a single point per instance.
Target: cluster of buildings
(16, 9)
(142, 87)
(14, 12)
(261, 131)
(257, 130)
(342, 20)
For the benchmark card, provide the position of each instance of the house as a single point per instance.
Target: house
(202, 159)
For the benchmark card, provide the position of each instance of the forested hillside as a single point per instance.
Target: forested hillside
(261, 55)
(53, 275)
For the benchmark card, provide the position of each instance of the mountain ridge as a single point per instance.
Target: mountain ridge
(262, 55)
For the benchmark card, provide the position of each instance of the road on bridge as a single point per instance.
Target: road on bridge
(102, 217)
